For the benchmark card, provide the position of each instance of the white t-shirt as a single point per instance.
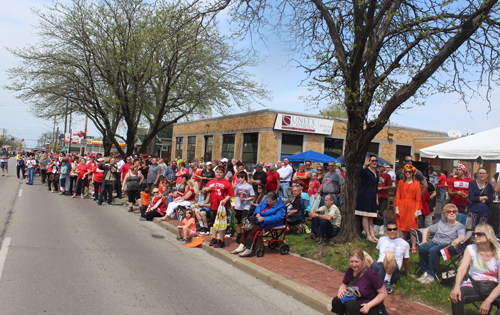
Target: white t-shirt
(399, 247)
(243, 192)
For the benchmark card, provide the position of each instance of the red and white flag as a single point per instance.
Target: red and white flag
(445, 253)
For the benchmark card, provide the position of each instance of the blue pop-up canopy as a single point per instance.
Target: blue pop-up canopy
(310, 155)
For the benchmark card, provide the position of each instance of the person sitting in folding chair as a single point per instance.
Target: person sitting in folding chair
(270, 213)
(294, 208)
(446, 232)
(325, 221)
(483, 258)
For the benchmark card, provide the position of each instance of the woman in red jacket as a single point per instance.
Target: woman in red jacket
(156, 207)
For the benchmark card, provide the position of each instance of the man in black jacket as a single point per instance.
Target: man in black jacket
(109, 181)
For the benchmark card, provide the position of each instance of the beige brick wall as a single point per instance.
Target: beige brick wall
(268, 145)
(199, 147)
(217, 147)
(387, 152)
(237, 146)
(261, 121)
(314, 143)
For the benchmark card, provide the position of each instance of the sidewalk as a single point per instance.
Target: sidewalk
(308, 281)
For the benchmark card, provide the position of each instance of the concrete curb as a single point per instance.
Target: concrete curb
(312, 299)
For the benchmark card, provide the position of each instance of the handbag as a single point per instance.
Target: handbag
(248, 223)
(220, 222)
(483, 287)
(352, 293)
(379, 220)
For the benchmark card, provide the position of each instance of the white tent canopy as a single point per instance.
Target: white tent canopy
(484, 145)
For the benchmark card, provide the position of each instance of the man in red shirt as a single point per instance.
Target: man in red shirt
(459, 188)
(302, 175)
(221, 191)
(384, 185)
(442, 184)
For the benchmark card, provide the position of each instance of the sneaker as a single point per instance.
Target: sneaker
(205, 231)
(319, 240)
(212, 242)
(245, 253)
(131, 209)
(426, 280)
(388, 287)
(422, 277)
(381, 231)
(239, 249)
(178, 238)
(311, 237)
(199, 229)
(220, 244)
(183, 242)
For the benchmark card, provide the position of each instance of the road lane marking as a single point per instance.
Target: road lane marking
(20, 193)
(3, 254)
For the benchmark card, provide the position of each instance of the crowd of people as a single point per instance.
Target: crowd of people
(271, 191)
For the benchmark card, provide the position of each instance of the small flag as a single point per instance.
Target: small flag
(445, 253)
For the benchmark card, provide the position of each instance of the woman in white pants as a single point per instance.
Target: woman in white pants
(185, 201)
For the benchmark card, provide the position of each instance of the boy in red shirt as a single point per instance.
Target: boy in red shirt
(221, 191)
(458, 190)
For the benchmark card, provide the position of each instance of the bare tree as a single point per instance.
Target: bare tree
(373, 56)
(133, 61)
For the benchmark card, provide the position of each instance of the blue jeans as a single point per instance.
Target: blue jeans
(323, 228)
(105, 188)
(285, 186)
(429, 256)
(441, 193)
(31, 173)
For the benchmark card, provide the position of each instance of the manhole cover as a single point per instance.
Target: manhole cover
(157, 236)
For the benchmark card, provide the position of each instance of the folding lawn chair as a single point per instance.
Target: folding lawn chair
(299, 219)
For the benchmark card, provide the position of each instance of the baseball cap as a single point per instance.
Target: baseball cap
(208, 163)
(338, 164)
(224, 160)
(145, 155)
(92, 156)
(258, 165)
(174, 162)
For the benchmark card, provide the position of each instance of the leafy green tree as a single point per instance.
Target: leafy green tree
(374, 56)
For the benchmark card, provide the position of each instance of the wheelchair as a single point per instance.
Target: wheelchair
(273, 239)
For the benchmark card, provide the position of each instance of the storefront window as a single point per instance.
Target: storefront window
(228, 146)
(179, 141)
(291, 144)
(191, 148)
(209, 144)
(250, 149)
(401, 152)
(373, 148)
(334, 147)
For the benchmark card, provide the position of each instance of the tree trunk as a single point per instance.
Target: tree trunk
(355, 151)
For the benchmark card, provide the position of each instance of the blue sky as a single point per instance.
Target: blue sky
(441, 113)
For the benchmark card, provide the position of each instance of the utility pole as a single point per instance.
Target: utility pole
(66, 118)
(54, 134)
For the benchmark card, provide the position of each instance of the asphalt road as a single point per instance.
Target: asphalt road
(70, 256)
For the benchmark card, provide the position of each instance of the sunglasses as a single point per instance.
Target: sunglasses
(409, 172)
(155, 192)
(478, 234)
(391, 230)
(373, 160)
(408, 161)
(452, 211)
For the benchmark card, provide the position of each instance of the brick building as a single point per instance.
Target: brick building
(267, 135)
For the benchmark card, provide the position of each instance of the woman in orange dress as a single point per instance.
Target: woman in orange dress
(408, 203)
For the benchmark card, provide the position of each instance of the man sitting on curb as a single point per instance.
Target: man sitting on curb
(325, 221)
(394, 252)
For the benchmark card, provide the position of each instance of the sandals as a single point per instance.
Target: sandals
(413, 250)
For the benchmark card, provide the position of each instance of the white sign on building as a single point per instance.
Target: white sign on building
(303, 124)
